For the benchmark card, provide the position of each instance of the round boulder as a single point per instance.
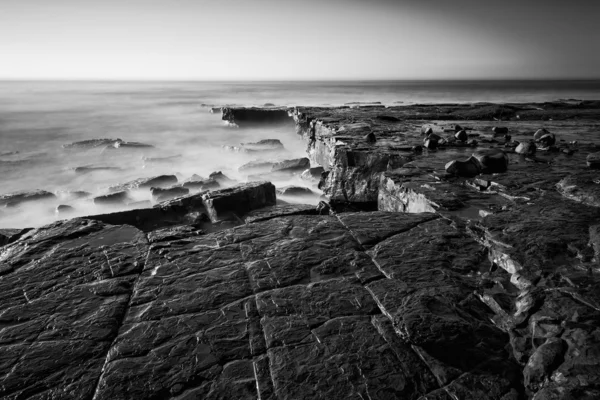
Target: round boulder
(492, 160)
(526, 148)
(500, 130)
(461, 135)
(468, 168)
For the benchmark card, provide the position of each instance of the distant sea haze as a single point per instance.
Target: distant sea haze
(38, 117)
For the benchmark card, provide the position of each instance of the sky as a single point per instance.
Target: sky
(299, 40)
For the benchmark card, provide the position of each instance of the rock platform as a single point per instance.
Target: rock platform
(418, 284)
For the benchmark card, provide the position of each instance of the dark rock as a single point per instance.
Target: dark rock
(238, 200)
(215, 110)
(159, 194)
(256, 116)
(161, 160)
(312, 174)
(113, 199)
(492, 160)
(88, 169)
(430, 144)
(458, 128)
(8, 236)
(370, 137)
(500, 130)
(221, 178)
(426, 130)
(323, 208)
(64, 209)
(593, 160)
(543, 361)
(73, 194)
(17, 198)
(461, 135)
(526, 148)
(89, 144)
(295, 165)
(540, 133)
(469, 168)
(296, 191)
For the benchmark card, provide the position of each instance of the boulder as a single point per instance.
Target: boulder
(461, 135)
(252, 116)
(500, 130)
(18, 198)
(238, 200)
(426, 130)
(468, 168)
(593, 160)
(370, 137)
(492, 160)
(113, 199)
(159, 194)
(526, 148)
(458, 128)
(544, 138)
(121, 144)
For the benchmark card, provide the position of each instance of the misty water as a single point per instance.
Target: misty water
(38, 118)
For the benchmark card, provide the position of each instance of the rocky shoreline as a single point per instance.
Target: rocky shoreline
(456, 257)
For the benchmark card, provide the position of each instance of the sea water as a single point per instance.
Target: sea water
(38, 118)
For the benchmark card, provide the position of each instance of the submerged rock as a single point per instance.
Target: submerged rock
(161, 181)
(256, 166)
(89, 144)
(64, 209)
(296, 191)
(206, 184)
(221, 178)
(88, 169)
(264, 145)
(312, 174)
(461, 135)
(500, 130)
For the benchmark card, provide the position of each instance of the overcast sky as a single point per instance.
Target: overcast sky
(311, 39)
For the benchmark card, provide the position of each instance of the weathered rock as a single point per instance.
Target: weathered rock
(17, 198)
(113, 199)
(161, 160)
(159, 194)
(11, 235)
(263, 214)
(238, 200)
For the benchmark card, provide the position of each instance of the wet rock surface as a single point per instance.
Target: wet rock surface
(454, 287)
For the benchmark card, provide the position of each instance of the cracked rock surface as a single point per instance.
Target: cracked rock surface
(450, 287)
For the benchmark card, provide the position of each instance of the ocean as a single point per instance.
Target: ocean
(38, 118)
